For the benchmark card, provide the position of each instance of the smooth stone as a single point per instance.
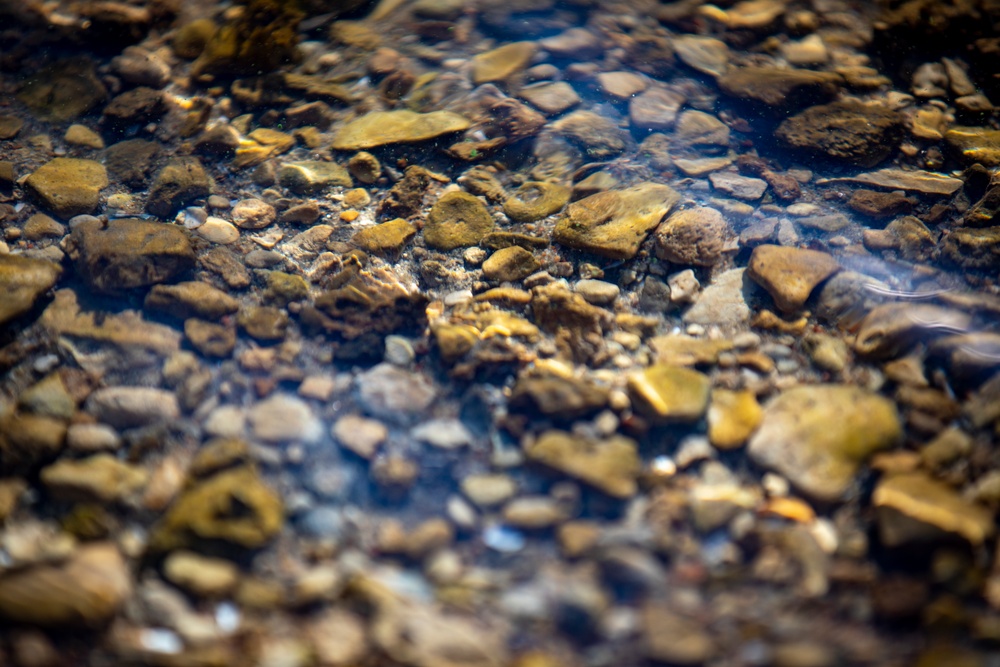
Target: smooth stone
(622, 85)
(10, 125)
(252, 214)
(703, 54)
(181, 181)
(615, 223)
(597, 292)
(92, 438)
(668, 393)
(550, 98)
(312, 176)
(395, 394)
(502, 63)
(442, 433)
(48, 397)
(818, 436)
(266, 324)
(127, 407)
(132, 161)
(733, 416)
(694, 236)
(81, 135)
(846, 131)
(28, 440)
(510, 264)
(697, 128)
(779, 89)
(655, 109)
(457, 220)
(67, 186)
(598, 137)
(128, 253)
(191, 299)
(558, 397)
(610, 465)
(284, 418)
(682, 350)
(209, 338)
(489, 489)
(535, 200)
(740, 187)
(380, 128)
(577, 43)
(725, 302)
(913, 507)
(790, 274)
(974, 248)
(23, 281)
(533, 512)
(100, 478)
(360, 435)
(807, 52)
(203, 576)
(890, 328)
(702, 166)
(668, 637)
(218, 231)
(62, 91)
(385, 237)
(40, 227)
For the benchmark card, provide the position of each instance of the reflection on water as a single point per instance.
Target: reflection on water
(442, 332)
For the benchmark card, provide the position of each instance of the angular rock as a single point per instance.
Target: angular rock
(739, 187)
(614, 224)
(100, 478)
(725, 302)
(790, 274)
(179, 182)
(67, 186)
(655, 109)
(818, 436)
(380, 128)
(22, 282)
(610, 465)
(703, 54)
(732, 417)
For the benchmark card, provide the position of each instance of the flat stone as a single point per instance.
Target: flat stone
(694, 236)
(913, 507)
(40, 227)
(622, 85)
(252, 214)
(443, 433)
(284, 418)
(67, 186)
(702, 166)
(550, 98)
(458, 219)
(668, 637)
(395, 394)
(126, 407)
(100, 478)
(209, 338)
(740, 187)
(312, 176)
(501, 63)
(191, 299)
(974, 248)
(380, 128)
(65, 317)
(81, 135)
(845, 131)
(558, 397)
(790, 274)
(614, 224)
(577, 43)
(818, 436)
(489, 490)
(725, 302)
(23, 281)
(779, 90)
(597, 292)
(975, 144)
(732, 417)
(132, 161)
(27, 440)
(63, 90)
(697, 128)
(703, 54)
(203, 576)
(510, 264)
(610, 464)
(266, 324)
(360, 435)
(598, 137)
(917, 180)
(681, 350)
(655, 109)
(127, 253)
(385, 237)
(10, 125)
(668, 393)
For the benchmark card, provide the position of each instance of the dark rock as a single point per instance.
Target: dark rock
(406, 197)
(180, 182)
(779, 90)
(133, 108)
(845, 131)
(131, 161)
(879, 204)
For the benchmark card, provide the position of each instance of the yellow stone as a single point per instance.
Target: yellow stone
(915, 507)
(502, 63)
(388, 236)
(670, 393)
(732, 417)
(679, 350)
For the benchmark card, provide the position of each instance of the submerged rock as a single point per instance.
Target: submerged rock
(22, 282)
(610, 465)
(667, 393)
(380, 128)
(790, 274)
(914, 507)
(457, 220)
(181, 181)
(846, 131)
(68, 186)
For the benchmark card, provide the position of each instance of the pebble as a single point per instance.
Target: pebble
(202, 576)
(741, 187)
(442, 433)
(99, 478)
(668, 393)
(694, 236)
(126, 407)
(252, 214)
(597, 292)
(360, 435)
(284, 418)
(790, 274)
(611, 465)
(394, 394)
(914, 508)
(218, 231)
(489, 490)
(725, 302)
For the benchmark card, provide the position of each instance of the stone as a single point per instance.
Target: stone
(740, 187)
(395, 394)
(550, 98)
(218, 231)
(81, 135)
(28, 440)
(365, 167)
(313, 176)
(284, 418)
(614, 224)
(381, 128)
(266, 324)
(191, 299)
(818, 436)
(253, 214)
(725, 302)
(533, 512)
(681, 350)
(779, 90)
(974, 248)
(489, 489)
(388, 237)
(360, 435)
(669, 637)
(655, 109)
(913, 507)
(457, 220)
(733, 416)
(67, 186)
(577, 43)
(666, 393)
(890, 328)
(127, 253)
(558, 397)
(827, 352)
(707, 55)
(790, 274)
(510, 264)
(23, 281)
(535, 200)
(132, 161)
(597, 292)
(975, 144)
(339, 637)
(442, 433)
(621, 85)
(202, 576)
(878, 205)
(138, 106)
(598, 137)
(140, 67)
(209, 338)
(127, 407)
(87, 590)
(502, 63)
(694, 236)
(63, 91)
(40, 227)
(611, 464)
(233, 506)
(846, 131)
(10, 125)
(100, 478)
(48, 397)
(181, 181)
(697, 128)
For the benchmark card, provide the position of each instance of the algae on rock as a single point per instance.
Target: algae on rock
(261, 39)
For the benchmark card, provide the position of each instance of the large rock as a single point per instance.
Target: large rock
(695, 236)
(22, 281)
(790, 274)
(181, 181)
(380, 128)
(915, 507)
(129, 253)
(845, 131)
(819, 435)
(67, 186)
(615, 223)
(63, 90)
(779, 90)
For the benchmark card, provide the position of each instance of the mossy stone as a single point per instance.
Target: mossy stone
(510, 264)
(283, 288)
(209, 338)
(387, 237)
(191, 38)
(261, 39)
(263, 323)
(457, 220)
(668, 393)
(181, 181)
(67, 186)
(536, 200)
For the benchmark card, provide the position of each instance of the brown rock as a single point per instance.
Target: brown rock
(790, 274)
(696, 236)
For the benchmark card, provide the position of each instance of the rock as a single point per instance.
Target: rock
(63, 91)
(100, 478)
(732, 417)
(533, 512)
(48, 397)
(682, 350)
(878, 205)
(510, 264)
(138, 106)
(914, 507)
(284, 418)
(668, 637)
(360, 435)
(67, 186)
(489, 490)
(87, 590)
(233, 507)
(202, 576)
(210, 339)
(703, 54)
(457, 220)
(558, 397)
(140, 67)
(577, 43)
(387, 237)
(610, 465)
(502, 63)
(312, 176)
(598, 137)
(28, 440)
(621, 85)
(23, 281)
(178, 183)
(779, 90)
(790, 274)
(252, 214)
(440, 10)
(845, 131)
(890, 328)
(597, 292)
(819, 435)
(338, 636)
(263, 323)
(535, 200)
(725, 302)
(697, 128)
(10, 125)
(974, 248)
(395, 394)
(81, 135)
(127, 407)
(740, 187)
(442, 433)
(975, 144)
(550, 98)
(666, 393)
(40, 227)
(380, 128)
(826, 352)
(655, 109)
(614, 224)
(131, 161)
(127, 253)
(695, 236)
(218, 231)
(191, 299)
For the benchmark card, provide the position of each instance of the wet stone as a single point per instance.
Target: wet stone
(655, 109)
(457, 220)
(668, 393)
(668, 637)
(386, 237)
(818, 436)
(40, 226)
(180, 182)
(974, 248)
(360, 435)
(596, 135)
(284, 418)
(253, 214)
(914, 507)
(131, 161)
(138, 106)
(536, 200)
(380, 128)
(610, 465)
(27, 440)
(697, 128)
(203, 576)
(779, 89)
(263, 323)
(191, 299)
(740, 187)
(732, 417)
(63, 91)
(510, 264)
(622, 85)
(312, 176)
(81, 135)
(209, 338)
(790, 274)
(849, 132)
(696, 236)
(597, 292)
(23, 281)
(878, 204)
(10, 125)
(100, 478)
(126, 407)
(890, 328)
(395, 394)
(703, 54)
(67, 186)
(724, 302)
(502, 63)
